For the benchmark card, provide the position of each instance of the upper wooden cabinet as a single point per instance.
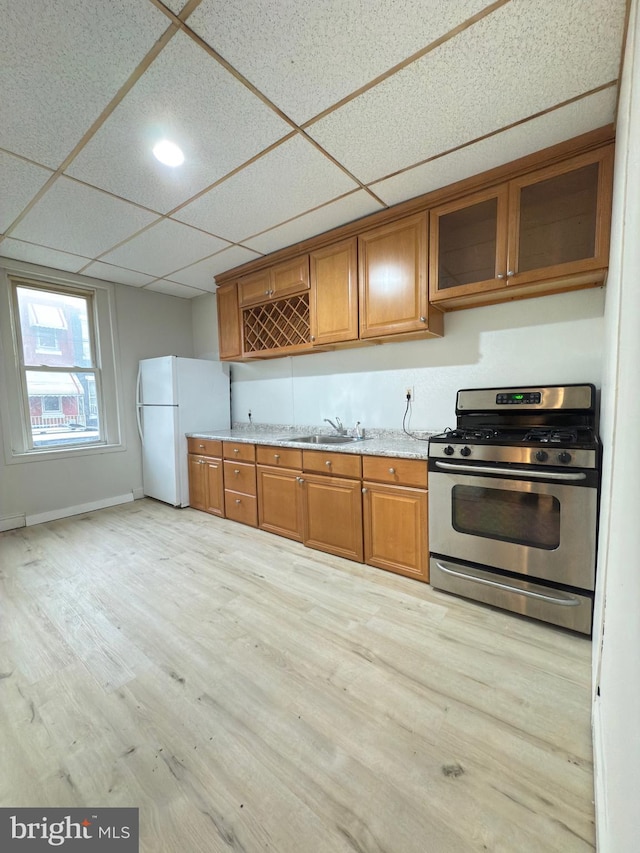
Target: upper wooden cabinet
(334, 293)
(229, 341)
(545, 231)
(274, 282)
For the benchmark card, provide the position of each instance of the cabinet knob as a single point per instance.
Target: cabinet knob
(313, 337)
(392, 470)
(300, 479)
(500, 275)
(237, 500)
(201, 445)
(423, 319)
(201, 462)
(236, 450)
(328, 463)
(276, 456)
(364, 491)
(266, 293)
(236, 471)
(510, 273)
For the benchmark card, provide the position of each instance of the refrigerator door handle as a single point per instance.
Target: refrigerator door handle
(139, 405)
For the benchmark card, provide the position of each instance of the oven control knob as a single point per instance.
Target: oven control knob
(542, 455)
(448, 451)
(466, 451)
(564, 457)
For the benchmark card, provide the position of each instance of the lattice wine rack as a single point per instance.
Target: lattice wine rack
(275, 325)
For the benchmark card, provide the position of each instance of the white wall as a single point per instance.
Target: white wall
(617, 628)
(148, 324)
(552, 339)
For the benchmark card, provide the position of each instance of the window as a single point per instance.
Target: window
(61, 393)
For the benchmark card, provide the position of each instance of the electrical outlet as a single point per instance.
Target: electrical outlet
(409, 395)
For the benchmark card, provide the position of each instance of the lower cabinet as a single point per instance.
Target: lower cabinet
(280, 484)
(206, 487)
(395, 515)
(240, 502)
(332, 503)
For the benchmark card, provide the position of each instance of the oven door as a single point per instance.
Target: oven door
(542, 528)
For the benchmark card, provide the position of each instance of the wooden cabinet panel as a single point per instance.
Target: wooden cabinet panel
(280, 457)
(239, 451)
(240, 507)
(393, 278)
(229, 338)
(197, 482)
(290, 277)
(395, 529)
(205, 446)
(333, 515)
(395, 471)
(206, 485)
(334, 293)
(254, 288)
(240, 476)
(336, 464)
(280, 502)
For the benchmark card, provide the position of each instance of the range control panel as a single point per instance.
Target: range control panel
(518, 398)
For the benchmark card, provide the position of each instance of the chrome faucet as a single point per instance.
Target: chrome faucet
(337, 426)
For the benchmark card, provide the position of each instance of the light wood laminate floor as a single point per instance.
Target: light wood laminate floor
(249, 694)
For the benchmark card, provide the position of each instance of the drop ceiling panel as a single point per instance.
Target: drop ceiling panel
(287, 182)
(202, 274)
(21, 251)
(189, 98)
(108, 272)
(524, 58)
(76, 218)
(548, 129)
(172, 289)
(62, 64)
(307, 56)
(20, 181)
(331, 215)
(163, 248)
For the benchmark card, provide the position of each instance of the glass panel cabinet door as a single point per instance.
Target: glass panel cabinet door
(468, 244)
(558, 219)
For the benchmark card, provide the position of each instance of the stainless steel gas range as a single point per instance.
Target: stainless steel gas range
(513, 501)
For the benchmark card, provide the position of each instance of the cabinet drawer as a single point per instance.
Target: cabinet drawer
(280, 457)
(241, 507)
(241, 452)
(399, 472)
(337, 464)
(204, 446)
(241, 477)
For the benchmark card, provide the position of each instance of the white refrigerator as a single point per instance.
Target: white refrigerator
(175, 396)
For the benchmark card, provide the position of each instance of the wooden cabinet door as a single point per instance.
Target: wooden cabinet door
(333, 515)
(254, 288)
(393, 278)
(559, 219)
(290, 277)
(197, 482)
(468, 245)
(280, 502)
(396, 529)
(214, 486)
(229, 343)
(334, 293)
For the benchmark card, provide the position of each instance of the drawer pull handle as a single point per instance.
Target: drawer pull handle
(392, 470)
(236, 450)
(201, 445)
(328, 463)
(236, 471)
(276, 456)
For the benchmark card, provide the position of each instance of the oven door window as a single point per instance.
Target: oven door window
(524, 518)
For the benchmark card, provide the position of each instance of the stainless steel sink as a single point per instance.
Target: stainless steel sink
(325, 439)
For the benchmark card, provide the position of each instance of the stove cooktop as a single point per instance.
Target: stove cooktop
(578, 437)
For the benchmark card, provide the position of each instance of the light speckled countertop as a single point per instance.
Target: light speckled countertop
(376, 443)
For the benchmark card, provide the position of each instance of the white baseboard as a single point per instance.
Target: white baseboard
(52, 515)
(11, 522)
(138, 493)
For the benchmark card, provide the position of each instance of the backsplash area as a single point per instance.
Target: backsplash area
(548, 340)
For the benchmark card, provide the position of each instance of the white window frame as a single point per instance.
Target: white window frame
(15, 426)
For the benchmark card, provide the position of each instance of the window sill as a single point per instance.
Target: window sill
(59, 453)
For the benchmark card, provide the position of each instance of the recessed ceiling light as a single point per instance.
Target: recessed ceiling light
(168, 153)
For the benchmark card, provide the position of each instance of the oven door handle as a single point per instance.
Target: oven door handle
(512, 472)
(568, 601)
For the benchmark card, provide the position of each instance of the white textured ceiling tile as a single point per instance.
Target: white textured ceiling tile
(290, 180)
(21, 251)
(62, 64)
(75, 218)
(164, 247)
(325, 50)
(189, 98)
(346, 209)
(578, 117)
(20, 181)
(523, 58)
(202, 274)
(173, 289)
(108, 272)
